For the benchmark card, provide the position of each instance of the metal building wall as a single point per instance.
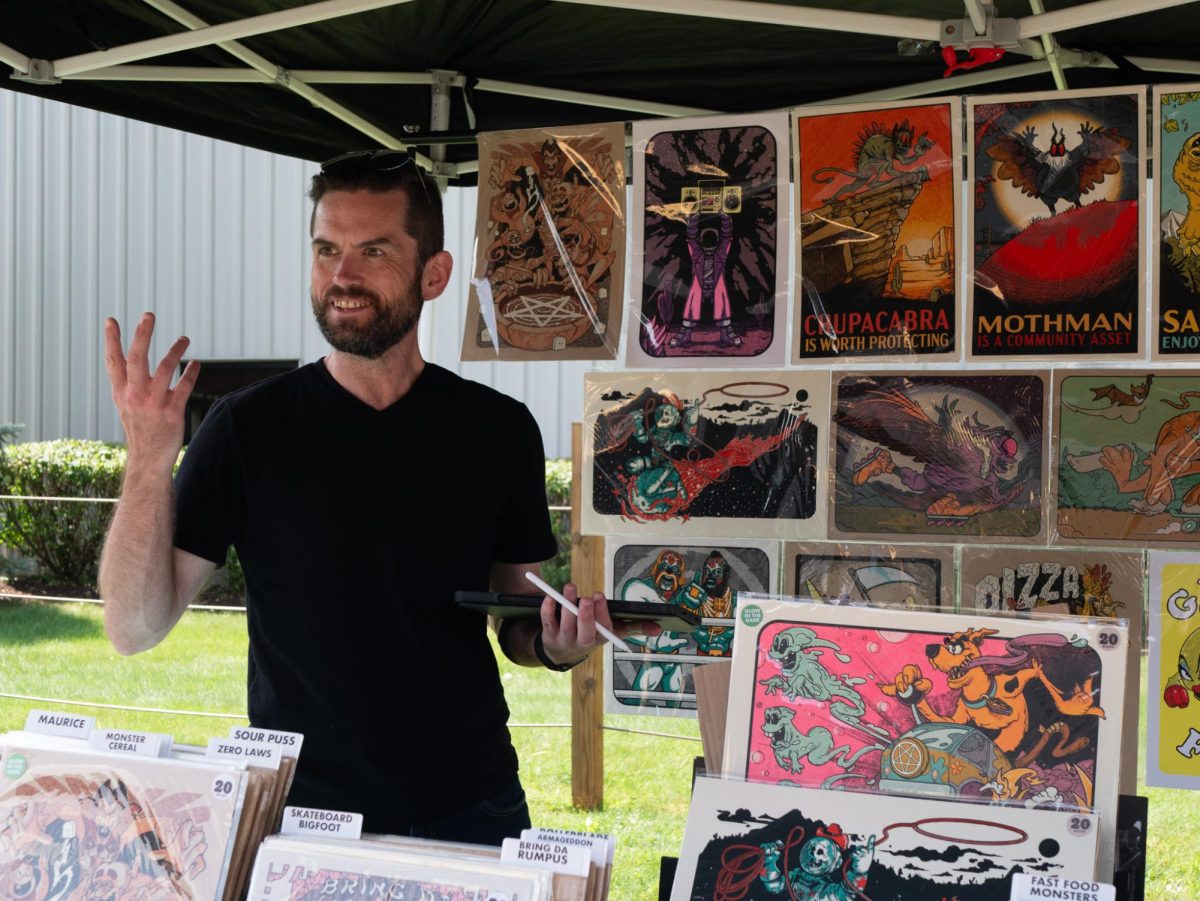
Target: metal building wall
(105, 216)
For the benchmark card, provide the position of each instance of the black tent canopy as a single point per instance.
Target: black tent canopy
(313, 79)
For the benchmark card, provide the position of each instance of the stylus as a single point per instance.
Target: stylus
(616, 642)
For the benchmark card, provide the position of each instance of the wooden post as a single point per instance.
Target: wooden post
(587, 679)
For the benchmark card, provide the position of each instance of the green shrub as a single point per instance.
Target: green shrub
(64, 537)
(557, 571)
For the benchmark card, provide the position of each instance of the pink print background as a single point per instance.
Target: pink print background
(841, 719)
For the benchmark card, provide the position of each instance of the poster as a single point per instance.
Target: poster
(550, 245)
(1127, 463)
(1090, 583)
(733, 455)
(899, 575)
(1177, 238)
(710, 242)
(299, 869)
(1173, 672)
(1057, 250)
(772, 842)
(1020, 712)
(938, 457)
(876, 194)
(656, 678)
(94, 825)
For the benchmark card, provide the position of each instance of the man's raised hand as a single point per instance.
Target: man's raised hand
(151, 410)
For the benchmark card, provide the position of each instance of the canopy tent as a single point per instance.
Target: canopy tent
(311, 80)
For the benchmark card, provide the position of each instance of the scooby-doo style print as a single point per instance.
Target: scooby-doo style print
(876, 191)
(705, 454)
(773, 843)
(550, 265)
(79, 826)
(1086, 583)
(710, 242)
(1176, 240)
(1015, 712)
(1056, 224)
(1126, 456)
(904, 576)
(939, 456)
(1173, 683)
(656, 677)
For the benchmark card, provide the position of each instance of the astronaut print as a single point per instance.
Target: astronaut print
(706, 454)
(774, 843)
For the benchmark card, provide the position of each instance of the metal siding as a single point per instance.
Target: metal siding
(8, 272)
(102, 216)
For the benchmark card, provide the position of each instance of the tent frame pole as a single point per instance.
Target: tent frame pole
(206, 35)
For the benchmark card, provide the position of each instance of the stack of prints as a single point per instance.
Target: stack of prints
(1015, 712)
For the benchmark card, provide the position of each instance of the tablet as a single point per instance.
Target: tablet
(670, 618)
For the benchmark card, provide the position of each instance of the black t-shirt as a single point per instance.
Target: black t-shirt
(354, 526)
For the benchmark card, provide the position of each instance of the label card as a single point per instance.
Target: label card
(251, 752)
(1031, 887)
(325, 823)
(69, 725)
(547, 855)
(289, 743)
(125, 741)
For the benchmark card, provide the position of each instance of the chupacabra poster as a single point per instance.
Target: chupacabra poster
(876, 191)
(1127, 461)
(1016, 712)
(1173, 672)
(656, 677)
(1177, 237)
(939, 456)
(1056, 224)
(705, 454)
(773, 843)
(550, 266)
(904, 576)
(710, 242)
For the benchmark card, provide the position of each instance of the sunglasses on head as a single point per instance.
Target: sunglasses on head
(377, 160)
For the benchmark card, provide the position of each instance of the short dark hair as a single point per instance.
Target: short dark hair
(361, 172)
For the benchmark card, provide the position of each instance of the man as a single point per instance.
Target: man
(360, 491)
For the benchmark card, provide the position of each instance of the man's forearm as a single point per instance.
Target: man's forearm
(137, 578)
(516, 637)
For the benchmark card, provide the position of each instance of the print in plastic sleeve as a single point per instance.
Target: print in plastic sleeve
(550, 248)
(1056, 225)
(904, 576)
(710, 242)
(939, 456)
(657, 677)
(1176, 239)
(735, 455)
(876, 191)
(1173, 671)
(1126, 456)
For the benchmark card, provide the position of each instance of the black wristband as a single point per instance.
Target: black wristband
(539, 651)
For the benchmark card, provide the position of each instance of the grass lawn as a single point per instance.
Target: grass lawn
(59, 651)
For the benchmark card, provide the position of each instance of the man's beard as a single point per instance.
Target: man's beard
(393, 320)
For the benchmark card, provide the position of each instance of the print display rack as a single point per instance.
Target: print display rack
(975, 407)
